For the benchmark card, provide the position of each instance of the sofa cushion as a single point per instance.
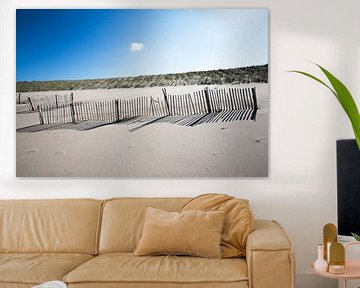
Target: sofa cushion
(126, 268)
(36, 268)
(194, 232)
(239, 220)
(123, 220)
(62, 226)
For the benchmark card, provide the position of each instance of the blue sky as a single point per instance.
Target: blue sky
(83, 44)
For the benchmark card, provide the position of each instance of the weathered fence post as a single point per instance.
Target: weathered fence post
(19, 98)
(254, 98)
(31, 105)
(206, 90)
(56, 101)
(117, 112)
(72, 110)
(232, 101)
(152, 106)
(40, 116)
(166, 101)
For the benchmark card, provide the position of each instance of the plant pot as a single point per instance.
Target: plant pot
(348, 187)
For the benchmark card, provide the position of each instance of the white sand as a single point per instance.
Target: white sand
(231, 149)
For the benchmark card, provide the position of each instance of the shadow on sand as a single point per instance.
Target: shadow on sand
(142, 121)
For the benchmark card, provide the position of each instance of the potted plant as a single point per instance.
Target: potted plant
(347, 102)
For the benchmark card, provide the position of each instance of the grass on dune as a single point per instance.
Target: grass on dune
(257, 74)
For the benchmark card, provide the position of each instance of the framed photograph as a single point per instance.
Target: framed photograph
(142, 93)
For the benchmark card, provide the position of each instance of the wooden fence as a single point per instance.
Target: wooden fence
(211, 101)
(109, 111)
(33, 103)
(18, 98)
(112, 111)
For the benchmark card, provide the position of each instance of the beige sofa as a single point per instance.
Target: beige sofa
(89, 243)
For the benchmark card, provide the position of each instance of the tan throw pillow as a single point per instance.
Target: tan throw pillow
(196, 233)
(239, 220)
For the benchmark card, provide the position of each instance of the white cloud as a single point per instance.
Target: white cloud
(136, 46)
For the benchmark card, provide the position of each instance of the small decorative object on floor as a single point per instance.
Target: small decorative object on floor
(329, 236)
(337, 258)
(336, 269)
(320, 264)
(52, 284)
(333, 252)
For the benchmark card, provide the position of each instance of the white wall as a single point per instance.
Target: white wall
(305, 120)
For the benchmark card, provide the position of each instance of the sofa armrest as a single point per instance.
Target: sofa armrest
(269, 256)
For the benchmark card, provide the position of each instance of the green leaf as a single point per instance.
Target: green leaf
(347, 102)
(344, 97)
(356, 236)
(314, 78)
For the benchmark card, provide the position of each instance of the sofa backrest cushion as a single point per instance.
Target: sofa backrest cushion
(239, 220)
(123, 220)
(64, 226)
(193, 233)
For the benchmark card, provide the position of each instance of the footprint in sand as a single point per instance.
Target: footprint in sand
(261, 141)
(60, 153)
(32, 151)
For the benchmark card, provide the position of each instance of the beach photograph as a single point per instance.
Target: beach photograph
(142, 93)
